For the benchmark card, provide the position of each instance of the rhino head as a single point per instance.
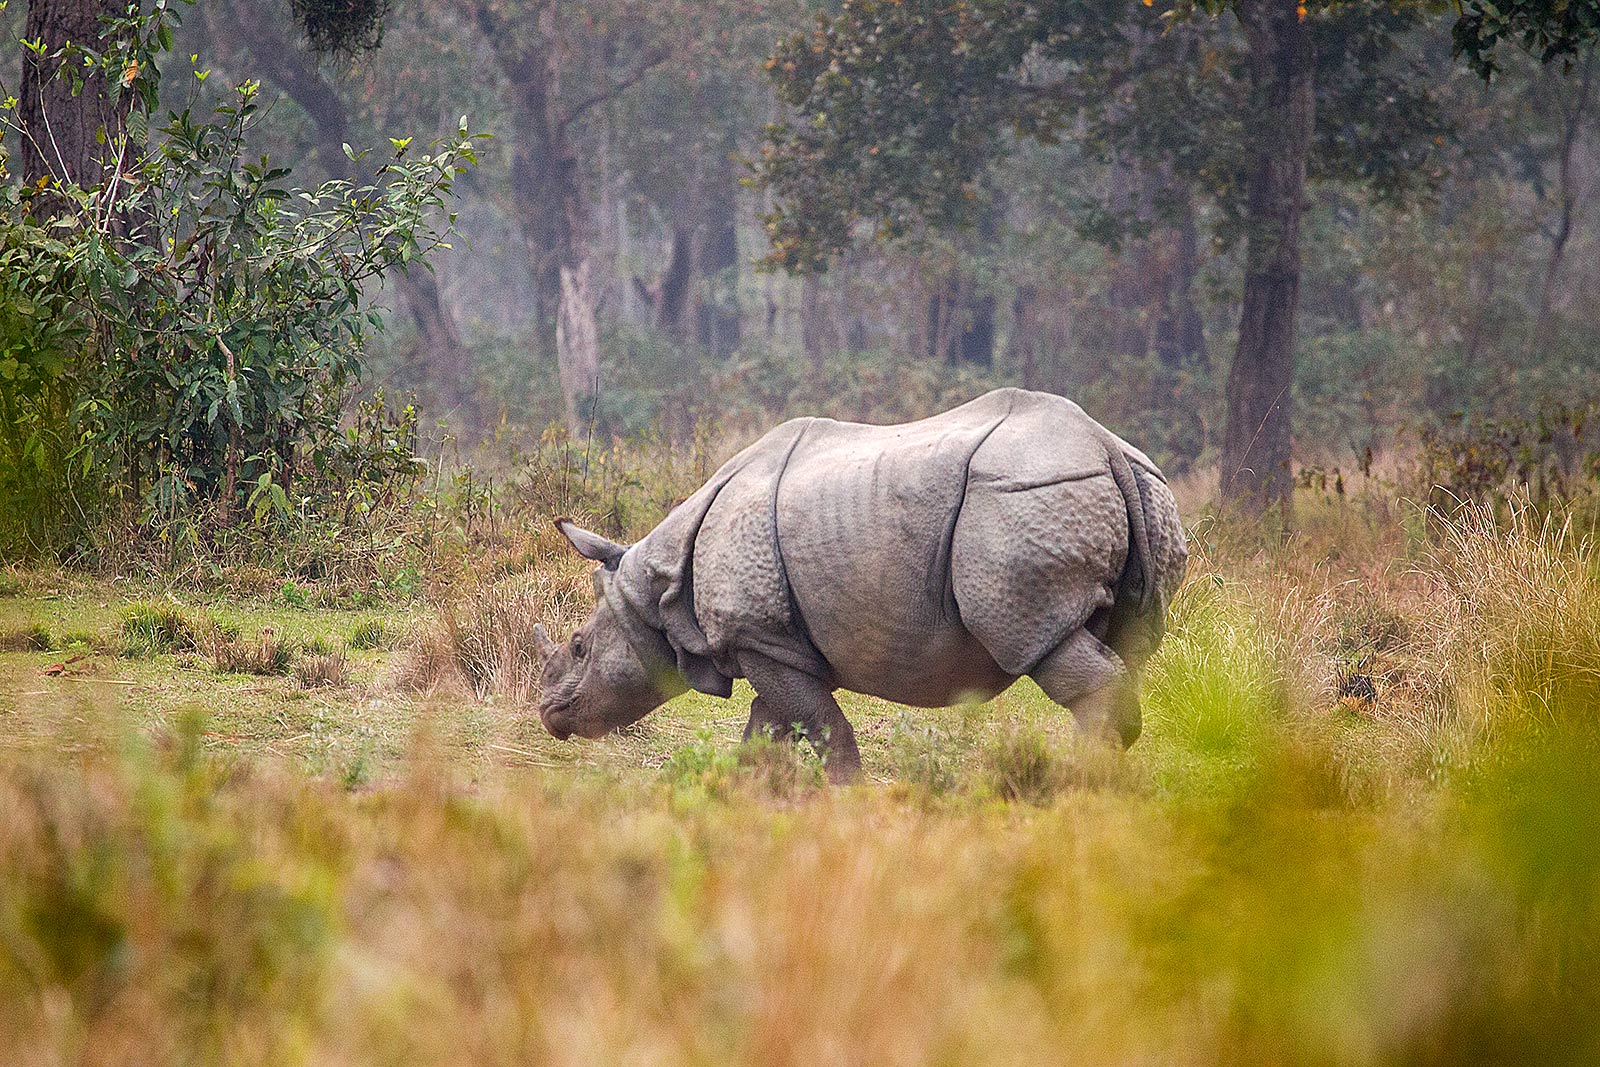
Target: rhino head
(613, 670)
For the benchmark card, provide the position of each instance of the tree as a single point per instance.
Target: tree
(903, 106)
(67, 110)
(1547, 29)
(558, 64)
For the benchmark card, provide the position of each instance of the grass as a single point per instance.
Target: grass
(279, 868)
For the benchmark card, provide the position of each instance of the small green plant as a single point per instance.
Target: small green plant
(157, 629)
(320, 645)
(921, 753)
(369, 634)
(10, 585)
(294, 596)
(701, 765)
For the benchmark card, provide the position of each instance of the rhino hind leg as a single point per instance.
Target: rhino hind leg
(792, 704)
(765, 719)
(1083, 674)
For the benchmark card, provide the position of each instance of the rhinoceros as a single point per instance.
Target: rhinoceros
(925, 563)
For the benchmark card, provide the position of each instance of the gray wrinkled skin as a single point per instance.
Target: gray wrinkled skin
(925, 563)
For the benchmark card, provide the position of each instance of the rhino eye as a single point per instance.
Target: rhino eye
(577, 646)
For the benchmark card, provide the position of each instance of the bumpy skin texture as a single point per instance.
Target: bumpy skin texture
(924, 563)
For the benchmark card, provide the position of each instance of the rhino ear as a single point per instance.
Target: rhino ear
(591, 545)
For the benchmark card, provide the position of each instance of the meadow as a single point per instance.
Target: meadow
(271, 826)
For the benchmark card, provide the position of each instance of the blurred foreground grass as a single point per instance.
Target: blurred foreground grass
(1359, 830)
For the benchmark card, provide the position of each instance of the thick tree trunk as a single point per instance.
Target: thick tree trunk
(550, 205)
(66, 136)
(670, 294)
(1256, 444)
(718, 323)
(578, 346)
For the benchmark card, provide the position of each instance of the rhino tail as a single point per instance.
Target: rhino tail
(1139, 550)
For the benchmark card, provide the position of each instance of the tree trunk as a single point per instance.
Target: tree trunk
(717, 318)
(578, 346)
(1574, 109)
(1256, 444)
(670, 294)
(66, 136)
(813, 335)
(550, 205)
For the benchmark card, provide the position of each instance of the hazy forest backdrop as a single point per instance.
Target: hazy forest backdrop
(1068, 193)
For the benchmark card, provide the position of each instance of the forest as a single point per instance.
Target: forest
(315, 315)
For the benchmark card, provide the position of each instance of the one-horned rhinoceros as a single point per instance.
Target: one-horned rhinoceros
(924, 563)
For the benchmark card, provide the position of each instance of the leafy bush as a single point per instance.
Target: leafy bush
(188, 339)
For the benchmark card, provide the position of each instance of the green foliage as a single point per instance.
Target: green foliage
(43, 327)
(1550, 457)
(188, 340)
(34, 637)
(369, 634)
(900, 110)
(1548, 29)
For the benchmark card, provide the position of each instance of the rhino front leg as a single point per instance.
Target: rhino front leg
(1083, 674)
(803, 703)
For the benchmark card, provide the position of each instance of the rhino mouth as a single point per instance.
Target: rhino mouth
(555, 720)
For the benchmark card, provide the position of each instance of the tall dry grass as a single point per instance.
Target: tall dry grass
(1279, 873)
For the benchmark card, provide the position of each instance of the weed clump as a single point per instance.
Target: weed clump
(922, 755)
(321, 670)
(271, 653)
(485, 640)
(369, 635)
(35, 637)
(157, 629)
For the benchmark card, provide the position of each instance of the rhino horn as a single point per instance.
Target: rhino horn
(541, 639)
